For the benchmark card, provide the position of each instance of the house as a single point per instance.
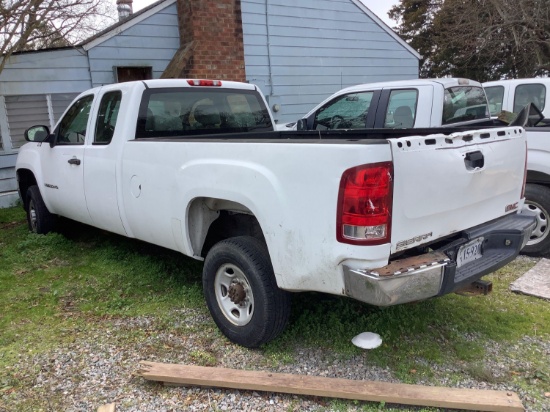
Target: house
(298, 54)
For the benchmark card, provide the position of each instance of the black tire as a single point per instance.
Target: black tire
(241, 292)
(537, 203)
(39, 218)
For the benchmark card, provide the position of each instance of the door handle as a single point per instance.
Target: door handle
(474, 160)
(74, 161)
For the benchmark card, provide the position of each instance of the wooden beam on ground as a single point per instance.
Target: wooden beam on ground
(110, 407)
(468, 399)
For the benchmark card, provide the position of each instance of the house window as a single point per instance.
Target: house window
(128, 74)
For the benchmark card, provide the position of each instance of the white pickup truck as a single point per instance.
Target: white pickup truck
(512, 96)
(418, 103)
(192, 165)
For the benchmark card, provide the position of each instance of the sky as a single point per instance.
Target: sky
(378, 7)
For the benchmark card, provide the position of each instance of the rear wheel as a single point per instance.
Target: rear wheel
(241, 292)
(39, 218)
(537, 204)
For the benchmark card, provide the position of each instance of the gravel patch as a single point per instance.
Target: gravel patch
(101, 366)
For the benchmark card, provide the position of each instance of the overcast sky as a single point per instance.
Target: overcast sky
(378, 7)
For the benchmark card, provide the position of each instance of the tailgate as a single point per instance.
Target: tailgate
(445, 184)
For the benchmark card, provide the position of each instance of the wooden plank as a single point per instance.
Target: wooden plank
(110, 407)
(468, 399)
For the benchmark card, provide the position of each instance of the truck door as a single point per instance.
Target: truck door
(100, 173)
(408, 107)
(64, 169)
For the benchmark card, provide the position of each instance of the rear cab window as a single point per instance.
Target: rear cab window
(529, 93)
(464, 103)
(185, 112)
(348, 111)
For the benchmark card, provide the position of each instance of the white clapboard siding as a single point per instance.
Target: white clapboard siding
(150, 43)
(299, 53)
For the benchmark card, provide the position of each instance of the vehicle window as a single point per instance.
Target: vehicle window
(174, 112)
(495, 97)
(348, 111)
(107, 116)
(401, 111)
(464, 103)
(529, 93)
(72, 128)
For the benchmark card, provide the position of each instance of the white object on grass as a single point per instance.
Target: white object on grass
(367, 340)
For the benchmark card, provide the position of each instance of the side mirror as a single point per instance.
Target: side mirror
(535, 115)
(37, 134)
(301, 125)
(529, 116)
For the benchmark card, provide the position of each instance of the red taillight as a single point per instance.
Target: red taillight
(364, 205)
(204, 82)
(524, 173)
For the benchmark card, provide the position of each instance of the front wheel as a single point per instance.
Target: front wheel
(39, 218)
(537, 204)
(241, 292)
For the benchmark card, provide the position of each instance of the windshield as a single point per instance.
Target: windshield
(464, 103)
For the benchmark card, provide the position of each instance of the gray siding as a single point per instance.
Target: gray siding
(149, 43)
(39, 73)
(8, 182)
(302, 52)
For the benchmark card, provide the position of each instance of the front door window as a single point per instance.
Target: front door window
(72, 129)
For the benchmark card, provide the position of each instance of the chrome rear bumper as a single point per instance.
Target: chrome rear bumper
(436, 273)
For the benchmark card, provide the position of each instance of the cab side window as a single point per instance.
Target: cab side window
(107, 117)
(495, 97)
(529, 93)
(72, 128)
(401, 112)
(344, 112)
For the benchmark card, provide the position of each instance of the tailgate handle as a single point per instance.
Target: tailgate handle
(474, 160)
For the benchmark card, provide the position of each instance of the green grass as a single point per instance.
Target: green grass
(68, 284)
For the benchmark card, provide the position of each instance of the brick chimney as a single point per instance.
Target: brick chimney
(211, 41)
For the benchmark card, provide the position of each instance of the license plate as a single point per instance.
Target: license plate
(469, 252)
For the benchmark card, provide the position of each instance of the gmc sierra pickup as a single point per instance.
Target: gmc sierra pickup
(385, 217)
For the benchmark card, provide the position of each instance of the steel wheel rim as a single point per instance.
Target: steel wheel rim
(32, 216)
(542, 229)
(231, 281)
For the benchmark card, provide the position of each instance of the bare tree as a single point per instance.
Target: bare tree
(480, 39)
(36, 24)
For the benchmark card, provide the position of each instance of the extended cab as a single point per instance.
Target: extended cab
(419, 103)
(385, 217)
(512, 96)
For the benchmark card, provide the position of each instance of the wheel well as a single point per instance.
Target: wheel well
(538, 178)
(213, 220)
(25, 179)
(231, 224)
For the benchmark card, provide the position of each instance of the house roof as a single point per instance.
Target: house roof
(125, 24)
(150, 10)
